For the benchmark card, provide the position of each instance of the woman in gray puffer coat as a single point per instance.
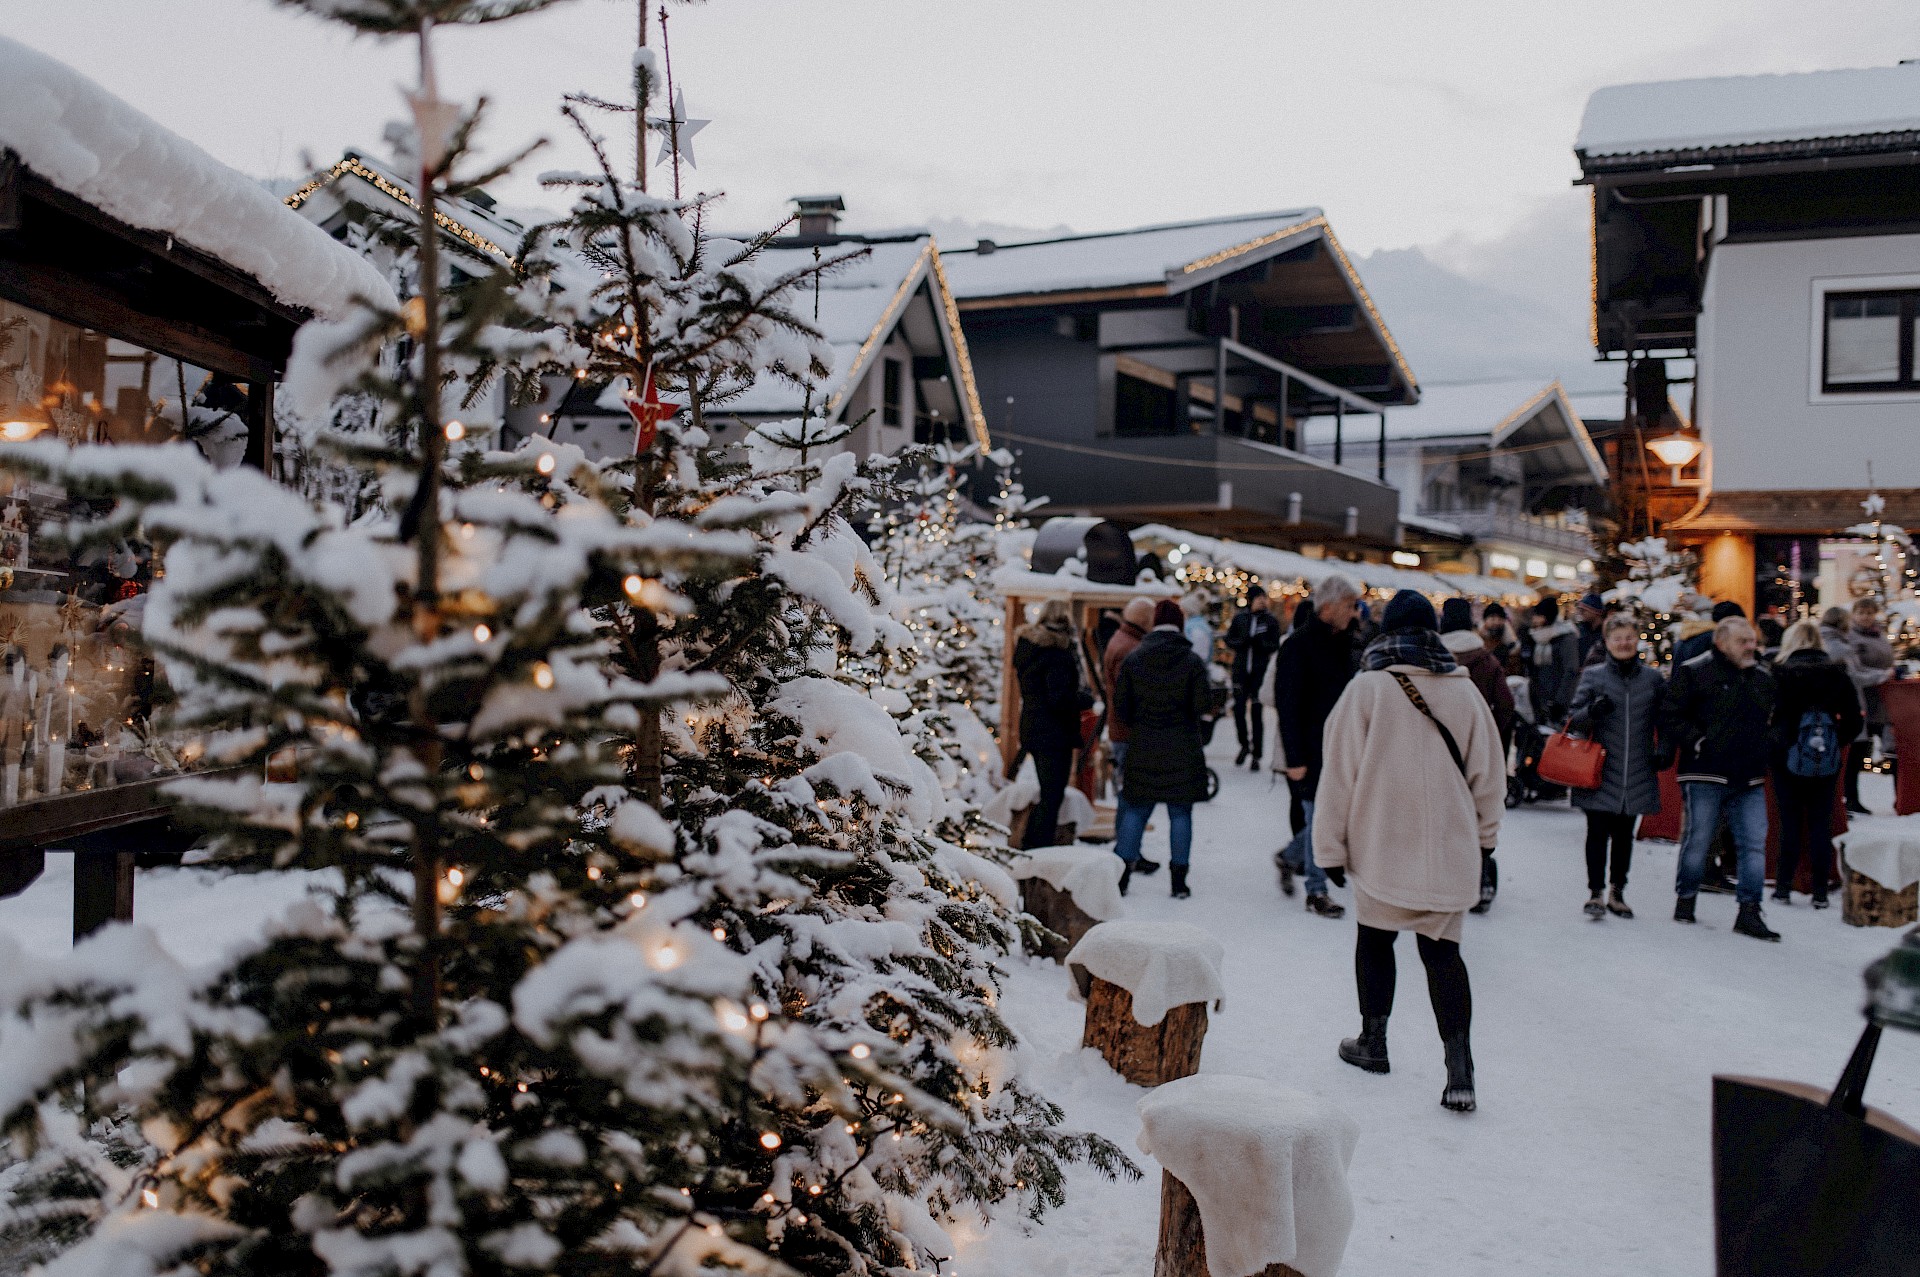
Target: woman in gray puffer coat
(1618, 704)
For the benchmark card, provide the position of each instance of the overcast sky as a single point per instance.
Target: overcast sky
(1410, 122)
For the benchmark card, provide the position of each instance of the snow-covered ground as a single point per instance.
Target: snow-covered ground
(1594, 1045)
(1594, 1042)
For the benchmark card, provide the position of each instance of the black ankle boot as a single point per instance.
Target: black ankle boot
(1369, 1050)
(1752, 923)
(1489, 881)
(1459, 1093)
(1126, 875)
(1178, 874)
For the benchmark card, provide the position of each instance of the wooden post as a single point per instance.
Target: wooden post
(1144, 1054)
(102, 890)
(1056, 911)
(1010, 688)
(1183, 1244)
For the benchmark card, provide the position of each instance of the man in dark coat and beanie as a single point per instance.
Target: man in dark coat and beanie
(1161, 695)
(1553, 662)
(1253, 637)
(1718, 710)
(1316, 664)
(1588, 615)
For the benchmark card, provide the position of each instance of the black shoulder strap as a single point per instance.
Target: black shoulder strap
(1420, 703)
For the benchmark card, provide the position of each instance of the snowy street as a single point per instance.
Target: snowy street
(1594, 1043)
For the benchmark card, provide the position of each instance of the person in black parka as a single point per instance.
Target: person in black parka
(1161, 695)
(1253, 638)
(1051, 698)
(1808, 681)
(1618, 703)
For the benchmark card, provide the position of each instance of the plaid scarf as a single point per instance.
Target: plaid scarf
(1419, 648)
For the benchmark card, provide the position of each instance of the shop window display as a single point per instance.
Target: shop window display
(76, 689)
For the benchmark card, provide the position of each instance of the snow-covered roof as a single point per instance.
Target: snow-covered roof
(1496, 412)
(1173, 254)
(81, 139)
(1272, 564)
(860, 304)
(1749, 110)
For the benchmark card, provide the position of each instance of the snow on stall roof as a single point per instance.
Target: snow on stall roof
(90, 144)
(1744, 110)
(855, 300)
(1148, 255)
(1272, 564)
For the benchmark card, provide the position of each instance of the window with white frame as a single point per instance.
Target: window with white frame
(1867, 341)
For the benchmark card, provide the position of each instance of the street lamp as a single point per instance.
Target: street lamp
(1675, 450)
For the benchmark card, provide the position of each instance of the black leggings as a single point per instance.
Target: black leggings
(1447, 985)
(1054, 768)
(1605, 827)
(1806, 827)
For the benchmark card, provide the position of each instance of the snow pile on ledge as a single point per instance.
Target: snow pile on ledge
(1267, 1167)
(93, 146)
(1162, 964)
(1737, 110)
(1089, 874)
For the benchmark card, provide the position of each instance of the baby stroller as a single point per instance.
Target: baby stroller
(1218, 698)
(1529, 741)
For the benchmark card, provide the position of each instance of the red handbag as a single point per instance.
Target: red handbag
(1572, 761)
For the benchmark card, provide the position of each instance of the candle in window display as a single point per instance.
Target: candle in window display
(57, 714)
(16, 712)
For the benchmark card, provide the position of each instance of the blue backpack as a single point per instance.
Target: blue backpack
(1816, 750)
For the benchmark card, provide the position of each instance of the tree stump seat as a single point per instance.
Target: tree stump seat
(1865, 903)
(1144, 1054)
(1182, 1251)
(1059, 913)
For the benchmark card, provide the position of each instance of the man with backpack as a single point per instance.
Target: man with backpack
(1719, 710)
(1815, 715)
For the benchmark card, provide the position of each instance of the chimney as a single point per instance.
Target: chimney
(819, 215)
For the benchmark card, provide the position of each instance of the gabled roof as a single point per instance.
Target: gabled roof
(466, 224)
(1154, 261)
(1513, 415)
(1751, 116)
(1179, 255)
(860, 305)
(87, 143)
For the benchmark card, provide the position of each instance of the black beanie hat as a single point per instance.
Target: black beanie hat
(1409, 610)
(1455, 614)
(1494, 609)
(1721, 611)
(1548, 608)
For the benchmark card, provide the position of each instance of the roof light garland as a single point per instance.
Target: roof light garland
(394, 191)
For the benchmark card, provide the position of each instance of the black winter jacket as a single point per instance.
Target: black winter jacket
(1810, 679)
(1051, 697)
(1630, 781)
(1720, 715)
(1315, 666)
(1161, 695)
(1253, 637)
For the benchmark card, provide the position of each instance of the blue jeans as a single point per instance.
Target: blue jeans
(1130, 827)
(1746, 814)
(1299, 854)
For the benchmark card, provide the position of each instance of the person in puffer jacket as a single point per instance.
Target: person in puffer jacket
(1808, 681)
(1718, 710)
(1618, 704)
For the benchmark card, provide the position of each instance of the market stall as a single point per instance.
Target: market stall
(148, 295)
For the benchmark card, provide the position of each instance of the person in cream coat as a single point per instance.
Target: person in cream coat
(1411, 794)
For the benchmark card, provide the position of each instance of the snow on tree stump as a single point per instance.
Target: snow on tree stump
(1147, 986)
(1880, 872)
(1068, 890)
(1254, 1178)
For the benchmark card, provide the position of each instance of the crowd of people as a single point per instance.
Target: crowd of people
(1404, 736)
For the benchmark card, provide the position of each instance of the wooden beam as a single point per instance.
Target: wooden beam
(1066, 297)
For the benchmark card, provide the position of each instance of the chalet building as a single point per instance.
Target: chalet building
(1164, 375)
(900, 373)
(1766, 228)
(1495, 479)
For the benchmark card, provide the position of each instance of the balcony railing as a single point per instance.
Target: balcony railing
(1548, 532)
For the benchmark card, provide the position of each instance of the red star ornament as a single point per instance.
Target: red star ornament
(648, 410)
